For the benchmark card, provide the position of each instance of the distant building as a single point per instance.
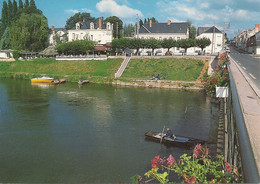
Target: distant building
(99, 32)
(60, 33)
(168, 30)
(215, 36)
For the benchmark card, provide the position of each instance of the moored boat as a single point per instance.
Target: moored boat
(81, 82)
(59, 81)
(174, 141)
(44, 79)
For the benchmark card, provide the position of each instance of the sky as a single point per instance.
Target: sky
(236, 15)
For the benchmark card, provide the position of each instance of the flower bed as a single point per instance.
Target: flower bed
(198, 168)
(220, 78)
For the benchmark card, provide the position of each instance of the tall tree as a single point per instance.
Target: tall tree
(29, 32)
(14, 8)
(5, 42)
(71, 22)
(203, 43)
(10, 11)
(20, 7)
(4, 18)
(26, 4)
(118, 25)
(141, 23)
(192, 30)
(33, 8)
(145, 21)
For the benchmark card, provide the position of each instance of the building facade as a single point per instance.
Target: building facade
(168, 30)
(99, 32)
(214, 35)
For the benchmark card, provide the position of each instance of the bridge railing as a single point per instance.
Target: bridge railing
(239, 151)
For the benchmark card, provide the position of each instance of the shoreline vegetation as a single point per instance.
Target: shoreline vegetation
(174, 72)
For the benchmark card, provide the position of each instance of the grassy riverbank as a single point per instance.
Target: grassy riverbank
(96, 71)
(177, 69)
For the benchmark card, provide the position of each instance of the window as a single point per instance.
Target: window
(73, 36)
(91, 25)
(78, 26)
(178, 38)
(91, 37)
(160, 38)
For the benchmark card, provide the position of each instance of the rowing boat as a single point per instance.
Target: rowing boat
(174, 141)
(44, 79)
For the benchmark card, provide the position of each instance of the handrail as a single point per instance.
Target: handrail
(250, 171)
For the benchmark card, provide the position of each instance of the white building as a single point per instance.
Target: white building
(99, 32)
(61, 33)
(215, 36)
(168, 30)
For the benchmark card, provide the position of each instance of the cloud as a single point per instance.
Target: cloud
(71, 11)
(86, 10)
(112, 8)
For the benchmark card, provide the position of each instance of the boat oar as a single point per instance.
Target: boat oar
(162, 134)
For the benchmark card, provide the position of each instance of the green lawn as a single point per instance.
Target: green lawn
(58, 69)
(175, 68)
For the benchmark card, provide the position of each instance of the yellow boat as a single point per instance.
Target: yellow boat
(44, 79)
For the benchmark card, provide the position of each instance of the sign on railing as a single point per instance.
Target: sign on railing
(221, 92)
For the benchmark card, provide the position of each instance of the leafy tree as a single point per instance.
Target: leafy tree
(153, 20)
(20, 6)
(186, 43)
(128, 30)
(203, 43)
(168, 43)
(4, 19)
(5, 42)
(16, 54)
(14, 8)
(192, 30)
(141, 23)
(26, 4)
(118, 25)
(145, 21)
(10, 12)
(71, 22)
(152, 43)
(29, 32)
(137, 44)
(75, 47)
(32, 5)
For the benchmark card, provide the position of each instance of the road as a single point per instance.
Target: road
(249, 63)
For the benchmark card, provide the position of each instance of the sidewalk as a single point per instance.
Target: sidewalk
(250, 105)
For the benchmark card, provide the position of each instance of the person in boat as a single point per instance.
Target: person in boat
(169, 133)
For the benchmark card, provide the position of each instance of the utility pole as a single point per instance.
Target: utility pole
(137, 26)
(224, 34)
(213, 40)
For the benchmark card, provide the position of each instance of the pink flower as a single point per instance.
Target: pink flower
(191, 179)
(157, 162)
(171, 161)
(228, 167)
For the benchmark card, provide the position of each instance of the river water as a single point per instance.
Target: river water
(94, 133)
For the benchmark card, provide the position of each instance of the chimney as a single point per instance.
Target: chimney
(150, 23)
(169, 22)
(257, 27)
(52, 28)
(100, 23)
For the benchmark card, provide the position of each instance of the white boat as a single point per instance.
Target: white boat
(44, 79)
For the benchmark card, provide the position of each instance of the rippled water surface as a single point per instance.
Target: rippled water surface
(91, 134)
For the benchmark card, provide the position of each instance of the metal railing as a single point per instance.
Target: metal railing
(239, 153)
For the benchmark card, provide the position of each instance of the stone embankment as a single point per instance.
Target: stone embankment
(160, 84)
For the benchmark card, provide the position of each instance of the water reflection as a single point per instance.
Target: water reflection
(91, 134)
